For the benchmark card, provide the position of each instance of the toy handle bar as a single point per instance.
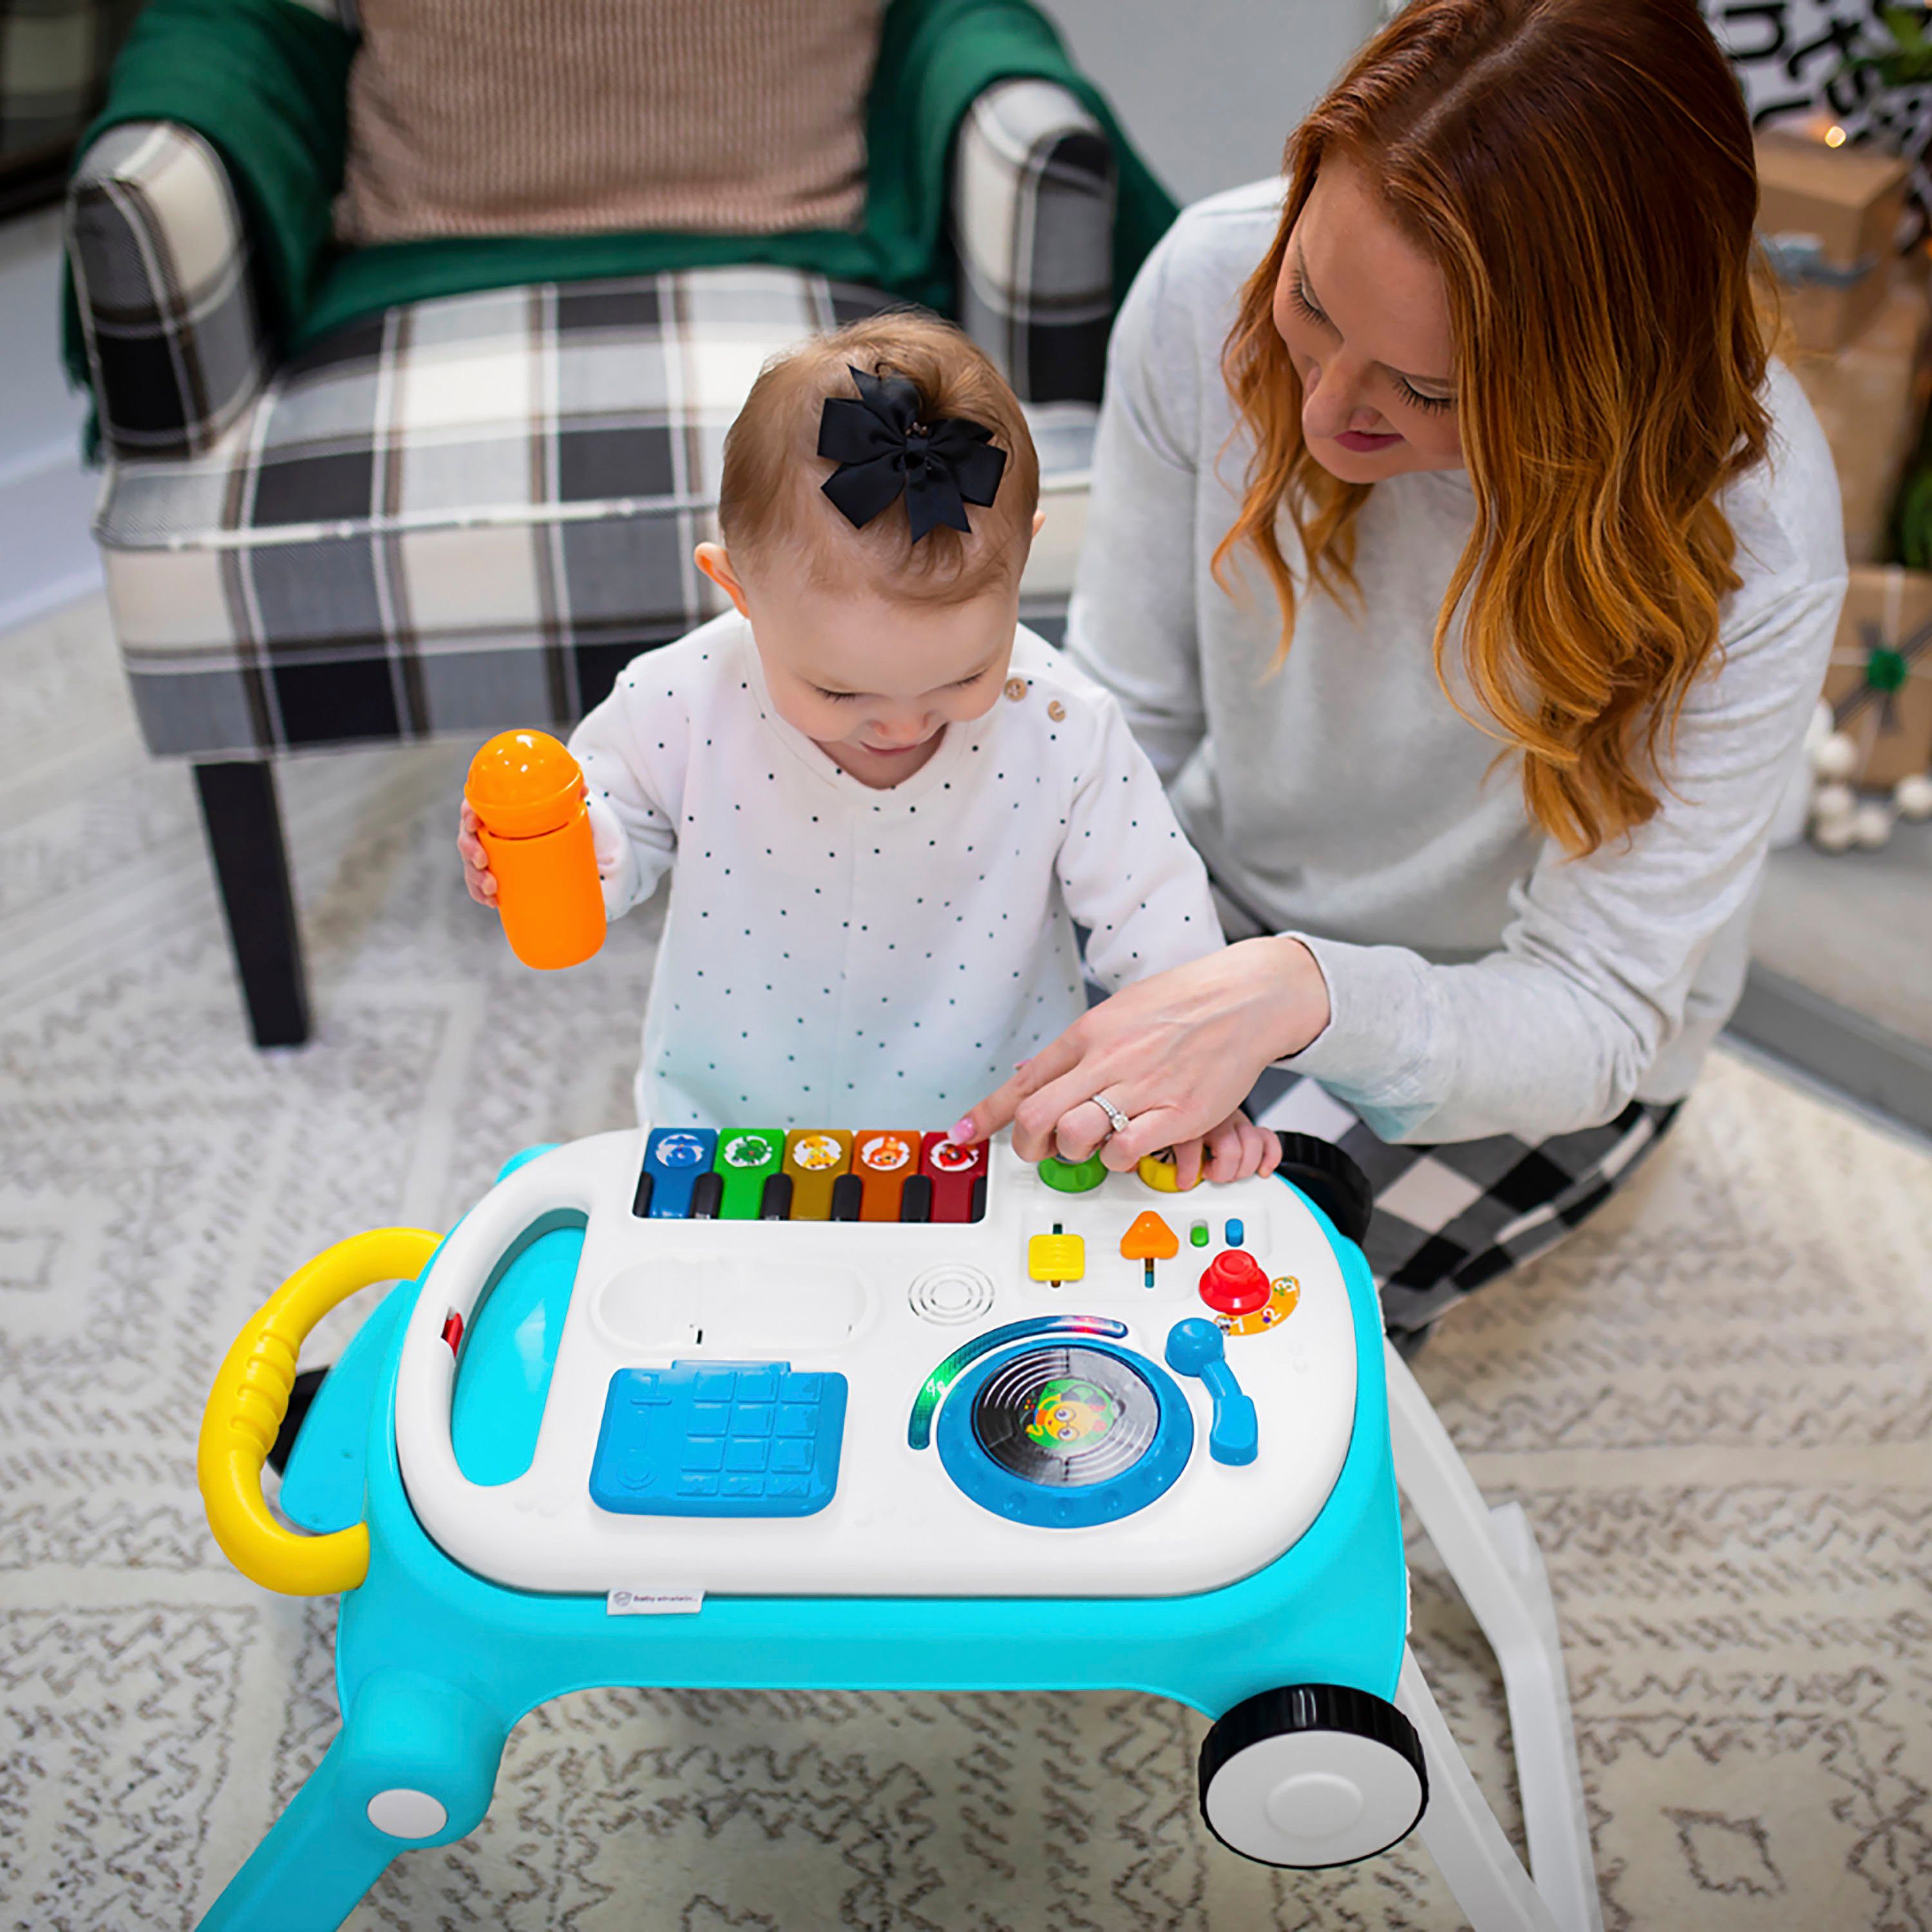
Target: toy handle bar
(563, 1185)
(250, 1398)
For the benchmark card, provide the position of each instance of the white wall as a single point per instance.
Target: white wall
(46, 556)
(1209, 89)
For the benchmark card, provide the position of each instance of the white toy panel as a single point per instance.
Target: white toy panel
(882, 1304)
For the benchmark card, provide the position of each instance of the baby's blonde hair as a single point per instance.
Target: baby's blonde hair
(769, 493)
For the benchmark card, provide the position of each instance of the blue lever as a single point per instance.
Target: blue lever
(1196, 1347)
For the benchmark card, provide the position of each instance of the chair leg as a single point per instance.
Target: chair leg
(244, 824)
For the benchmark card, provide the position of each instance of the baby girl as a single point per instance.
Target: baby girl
(883, 804)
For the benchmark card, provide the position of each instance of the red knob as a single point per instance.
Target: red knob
(1235, 1283)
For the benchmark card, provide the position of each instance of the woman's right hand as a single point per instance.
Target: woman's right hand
(476, 873)
(1177, 1054)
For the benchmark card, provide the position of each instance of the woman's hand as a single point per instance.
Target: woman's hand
(1176, 1053)
(476, 873)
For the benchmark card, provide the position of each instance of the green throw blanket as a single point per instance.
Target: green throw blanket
(265, 83)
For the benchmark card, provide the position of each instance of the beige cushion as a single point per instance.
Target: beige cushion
(521, 117)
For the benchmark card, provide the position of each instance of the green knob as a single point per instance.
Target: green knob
(1072, 1177)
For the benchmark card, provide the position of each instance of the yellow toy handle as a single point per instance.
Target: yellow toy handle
(250, 1398)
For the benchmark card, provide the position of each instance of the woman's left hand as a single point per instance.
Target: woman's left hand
(1177, 1054)
(1235, 1150)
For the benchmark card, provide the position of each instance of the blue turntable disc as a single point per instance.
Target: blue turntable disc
(1065, 1435)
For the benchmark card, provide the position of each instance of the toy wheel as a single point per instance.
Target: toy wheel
(1330, 1180)
(1311, 1775)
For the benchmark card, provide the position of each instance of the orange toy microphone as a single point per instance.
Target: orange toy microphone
(527, 792)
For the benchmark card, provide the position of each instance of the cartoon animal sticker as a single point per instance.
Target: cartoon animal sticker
(747, 1150)
(884, 1153)
(1071, 1413)
(815, 1153)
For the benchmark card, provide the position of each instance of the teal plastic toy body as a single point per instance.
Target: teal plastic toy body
(434, 1664)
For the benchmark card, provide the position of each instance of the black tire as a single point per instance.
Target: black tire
(1331, 1181)
(1365, 1734)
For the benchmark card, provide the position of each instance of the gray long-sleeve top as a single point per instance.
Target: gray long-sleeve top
(1481, 981)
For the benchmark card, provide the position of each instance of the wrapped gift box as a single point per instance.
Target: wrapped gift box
(1880, 683)
(1870, 397)
(1828, 220)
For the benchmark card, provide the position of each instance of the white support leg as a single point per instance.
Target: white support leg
(1491, 1557)
(1471, 1849)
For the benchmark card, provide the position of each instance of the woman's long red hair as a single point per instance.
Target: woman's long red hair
(1581, 171)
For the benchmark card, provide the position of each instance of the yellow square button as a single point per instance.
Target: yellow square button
(1056, 1258)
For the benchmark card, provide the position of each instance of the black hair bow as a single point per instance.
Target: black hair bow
(882, 448)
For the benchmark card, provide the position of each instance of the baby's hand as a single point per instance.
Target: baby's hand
(476, 873)
(1235, 1150)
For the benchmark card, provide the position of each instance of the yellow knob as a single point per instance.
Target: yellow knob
(1159, 1172)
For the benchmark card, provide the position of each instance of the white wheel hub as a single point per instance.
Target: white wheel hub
(1317, 1803)
(404, 1814)
(1313, 1797)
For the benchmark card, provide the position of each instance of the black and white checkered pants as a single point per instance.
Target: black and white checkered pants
(1450, 1218)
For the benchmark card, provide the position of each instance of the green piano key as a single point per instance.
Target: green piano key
(747, 1157)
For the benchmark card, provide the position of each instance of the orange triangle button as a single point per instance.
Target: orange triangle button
(1149, 1239)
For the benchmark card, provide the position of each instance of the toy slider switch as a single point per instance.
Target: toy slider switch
(1148, 1241)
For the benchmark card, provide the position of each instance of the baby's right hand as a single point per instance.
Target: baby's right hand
(476, 873)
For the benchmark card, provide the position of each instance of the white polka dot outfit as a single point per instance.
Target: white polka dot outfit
(834, 954)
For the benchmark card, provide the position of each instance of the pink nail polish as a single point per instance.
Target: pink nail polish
(961, 1130)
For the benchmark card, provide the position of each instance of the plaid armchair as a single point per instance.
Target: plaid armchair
(54, 58)
(470, 512)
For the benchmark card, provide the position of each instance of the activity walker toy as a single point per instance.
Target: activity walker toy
(823, 1409)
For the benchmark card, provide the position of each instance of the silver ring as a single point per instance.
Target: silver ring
(1119, 1123)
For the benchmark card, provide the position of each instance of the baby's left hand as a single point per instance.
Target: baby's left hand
(1234, 1151)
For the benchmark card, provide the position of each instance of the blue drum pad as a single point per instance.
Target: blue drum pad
(719, 1438)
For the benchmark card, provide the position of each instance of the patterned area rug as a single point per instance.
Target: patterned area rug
(1715, 1403)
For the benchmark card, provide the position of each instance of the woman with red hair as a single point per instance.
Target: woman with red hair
(1469, 573)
